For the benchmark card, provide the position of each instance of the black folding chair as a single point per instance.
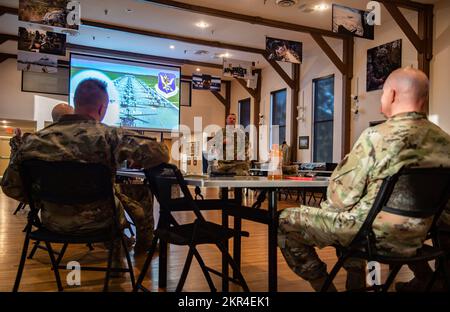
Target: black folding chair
(413, 192)
(162, 179)
(69, 183)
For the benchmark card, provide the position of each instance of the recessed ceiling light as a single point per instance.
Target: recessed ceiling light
(197, 69)
(4, 121)
(172, 47)
(321, 7)
(202, 24)
(226, 54)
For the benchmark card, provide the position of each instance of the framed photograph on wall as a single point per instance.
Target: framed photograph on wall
(186, 92)
(381, 61)
(303, 142)
(49, 83)
(350, 21)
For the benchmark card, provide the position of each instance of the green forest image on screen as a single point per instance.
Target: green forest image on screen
(136, 100)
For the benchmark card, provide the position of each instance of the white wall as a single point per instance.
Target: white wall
(317, 66)
(440, 67)
(369, 105)
(15, 104)
(439, 75)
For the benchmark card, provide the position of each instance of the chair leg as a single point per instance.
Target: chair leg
(185, 272)
(89, 245)
(19, 207)
(333, 273)
(108, 267)
(205, 270)
(391, 277)
(61, 253)
(444, 262)
(433, 278)
(130, 265)
(34, 249)
(147, 263)
(234, 266)
(54, 265)
(23, 258)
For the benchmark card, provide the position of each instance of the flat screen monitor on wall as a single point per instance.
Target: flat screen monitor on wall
(141, 95)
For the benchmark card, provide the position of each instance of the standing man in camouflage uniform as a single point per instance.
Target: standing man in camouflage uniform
(81, 137)
(232, 144)
(407, 138)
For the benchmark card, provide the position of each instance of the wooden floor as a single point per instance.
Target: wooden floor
(38, 276)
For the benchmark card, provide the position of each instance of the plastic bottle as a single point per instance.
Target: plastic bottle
(275, 169)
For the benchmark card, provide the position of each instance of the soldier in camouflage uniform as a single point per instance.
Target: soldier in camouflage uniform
(232, 146)
(407, 138)
(82, 138)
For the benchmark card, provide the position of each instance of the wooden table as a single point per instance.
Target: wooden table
(239, 212)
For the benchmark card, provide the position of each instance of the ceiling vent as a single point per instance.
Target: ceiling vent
(286, 3)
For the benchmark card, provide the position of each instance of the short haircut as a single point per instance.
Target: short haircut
(89, 92)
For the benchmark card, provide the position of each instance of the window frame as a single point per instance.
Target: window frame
(313, 117)
(272, 93)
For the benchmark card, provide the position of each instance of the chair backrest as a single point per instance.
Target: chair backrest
(412, 192)
(165, 178)
(66, 183)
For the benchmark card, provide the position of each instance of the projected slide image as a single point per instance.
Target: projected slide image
(142, 96)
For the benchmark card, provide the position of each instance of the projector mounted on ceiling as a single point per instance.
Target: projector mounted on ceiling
(286, 3)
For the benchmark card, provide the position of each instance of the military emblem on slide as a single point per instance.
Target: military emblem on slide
(166, 86)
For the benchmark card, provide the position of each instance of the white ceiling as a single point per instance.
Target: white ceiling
(157, 18)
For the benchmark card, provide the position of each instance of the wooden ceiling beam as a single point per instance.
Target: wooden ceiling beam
(243, 83)
(6, 37)
(5, 56)
(406, 27)
(146, 57)
(209, 43)
(245, 18)
(406, 4)
(329, 52)
(280, 71)
(8, 10)
(154, 34)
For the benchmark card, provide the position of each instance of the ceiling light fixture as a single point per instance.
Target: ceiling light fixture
(202, 24)
(225, 55)
(321, 7)
(172, 47)
(197, 69)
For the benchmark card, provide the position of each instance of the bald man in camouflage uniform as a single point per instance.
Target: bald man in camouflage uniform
(407, 138)
(232, 148)
(82, 138)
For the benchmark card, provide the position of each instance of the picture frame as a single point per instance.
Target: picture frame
(350, 21)
(47, 83)
(303, 142)
(381, 62)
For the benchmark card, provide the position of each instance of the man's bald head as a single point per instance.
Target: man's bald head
(61, 109)
(405, 90)
(91, 98)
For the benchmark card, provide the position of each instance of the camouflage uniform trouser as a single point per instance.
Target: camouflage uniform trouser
(137, 201)
(300, 230)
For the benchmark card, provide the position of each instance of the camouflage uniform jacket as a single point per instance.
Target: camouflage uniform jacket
(407, 139)
(235, 154)
(80, 138)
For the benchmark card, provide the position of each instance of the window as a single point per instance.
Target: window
(323, 90)
(278, 116)
(244, 112)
